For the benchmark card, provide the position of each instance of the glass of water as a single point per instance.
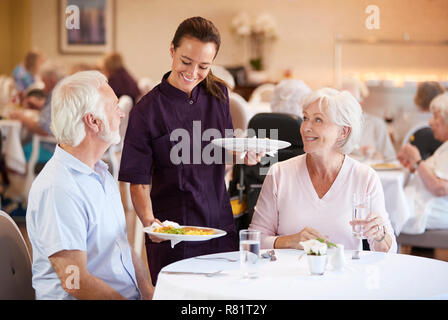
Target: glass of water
(361, 209)
(249, 252)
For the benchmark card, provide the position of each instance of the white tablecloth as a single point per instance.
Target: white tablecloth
(396, 204)
(374, 276)
(12, 146)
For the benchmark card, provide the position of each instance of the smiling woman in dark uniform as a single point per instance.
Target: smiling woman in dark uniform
(192, 192)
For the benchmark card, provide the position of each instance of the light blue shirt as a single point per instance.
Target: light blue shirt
(71, 207)
(22, 78)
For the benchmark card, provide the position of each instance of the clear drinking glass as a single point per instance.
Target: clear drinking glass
(361, 209)
(249, 252)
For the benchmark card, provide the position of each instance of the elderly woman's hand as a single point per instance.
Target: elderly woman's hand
(373, 227)
(408, 156)
(292, 241)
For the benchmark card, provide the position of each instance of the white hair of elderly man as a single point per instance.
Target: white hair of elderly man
(72, 98)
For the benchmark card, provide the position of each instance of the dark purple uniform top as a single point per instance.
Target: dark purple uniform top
(189, 193)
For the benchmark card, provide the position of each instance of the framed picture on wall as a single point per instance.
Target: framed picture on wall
(86, 26)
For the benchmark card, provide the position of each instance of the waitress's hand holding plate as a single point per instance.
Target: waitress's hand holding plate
(250, 157)
(170, 230)
(154, 224)
(251, 149)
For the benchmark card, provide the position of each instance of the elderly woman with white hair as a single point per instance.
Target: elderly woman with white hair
(310, 196)
(427, 191)
(288, 96)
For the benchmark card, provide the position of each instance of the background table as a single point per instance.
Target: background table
(374, 276)
(12, 146)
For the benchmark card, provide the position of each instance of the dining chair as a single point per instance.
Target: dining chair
(223, 74)
(410, 133)
(286, 127)
(15, 262)
(31, 165)
(426, 143)
(239, 112)
(422, 137)
(262, 93)
(431, 238)
(144, 85)
(3, 170)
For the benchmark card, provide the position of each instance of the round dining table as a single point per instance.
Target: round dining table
(376, 275)
(12, 147)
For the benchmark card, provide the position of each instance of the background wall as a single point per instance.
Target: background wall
(144, 29)
(5, 35)
(15, 32)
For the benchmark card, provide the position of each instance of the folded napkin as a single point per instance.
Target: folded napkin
(166, 223)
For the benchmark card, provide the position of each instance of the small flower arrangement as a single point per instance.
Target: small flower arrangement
(265, 25)
(257, 30)
(241, 25)
(317, 247)
(262, 25)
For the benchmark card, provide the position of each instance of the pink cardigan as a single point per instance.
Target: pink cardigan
(288, 202)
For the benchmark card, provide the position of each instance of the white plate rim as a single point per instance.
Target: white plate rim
(184, 237)
(221, 142)
(396, 167)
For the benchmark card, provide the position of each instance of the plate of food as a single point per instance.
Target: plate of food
(177, 233)
(255, 144)
(386, 166)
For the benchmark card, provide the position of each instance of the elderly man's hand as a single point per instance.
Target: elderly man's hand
(147, 293)
(408, 156)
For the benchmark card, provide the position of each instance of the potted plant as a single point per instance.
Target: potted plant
(316, 251)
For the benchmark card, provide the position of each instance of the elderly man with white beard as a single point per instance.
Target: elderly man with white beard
(75, 218)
